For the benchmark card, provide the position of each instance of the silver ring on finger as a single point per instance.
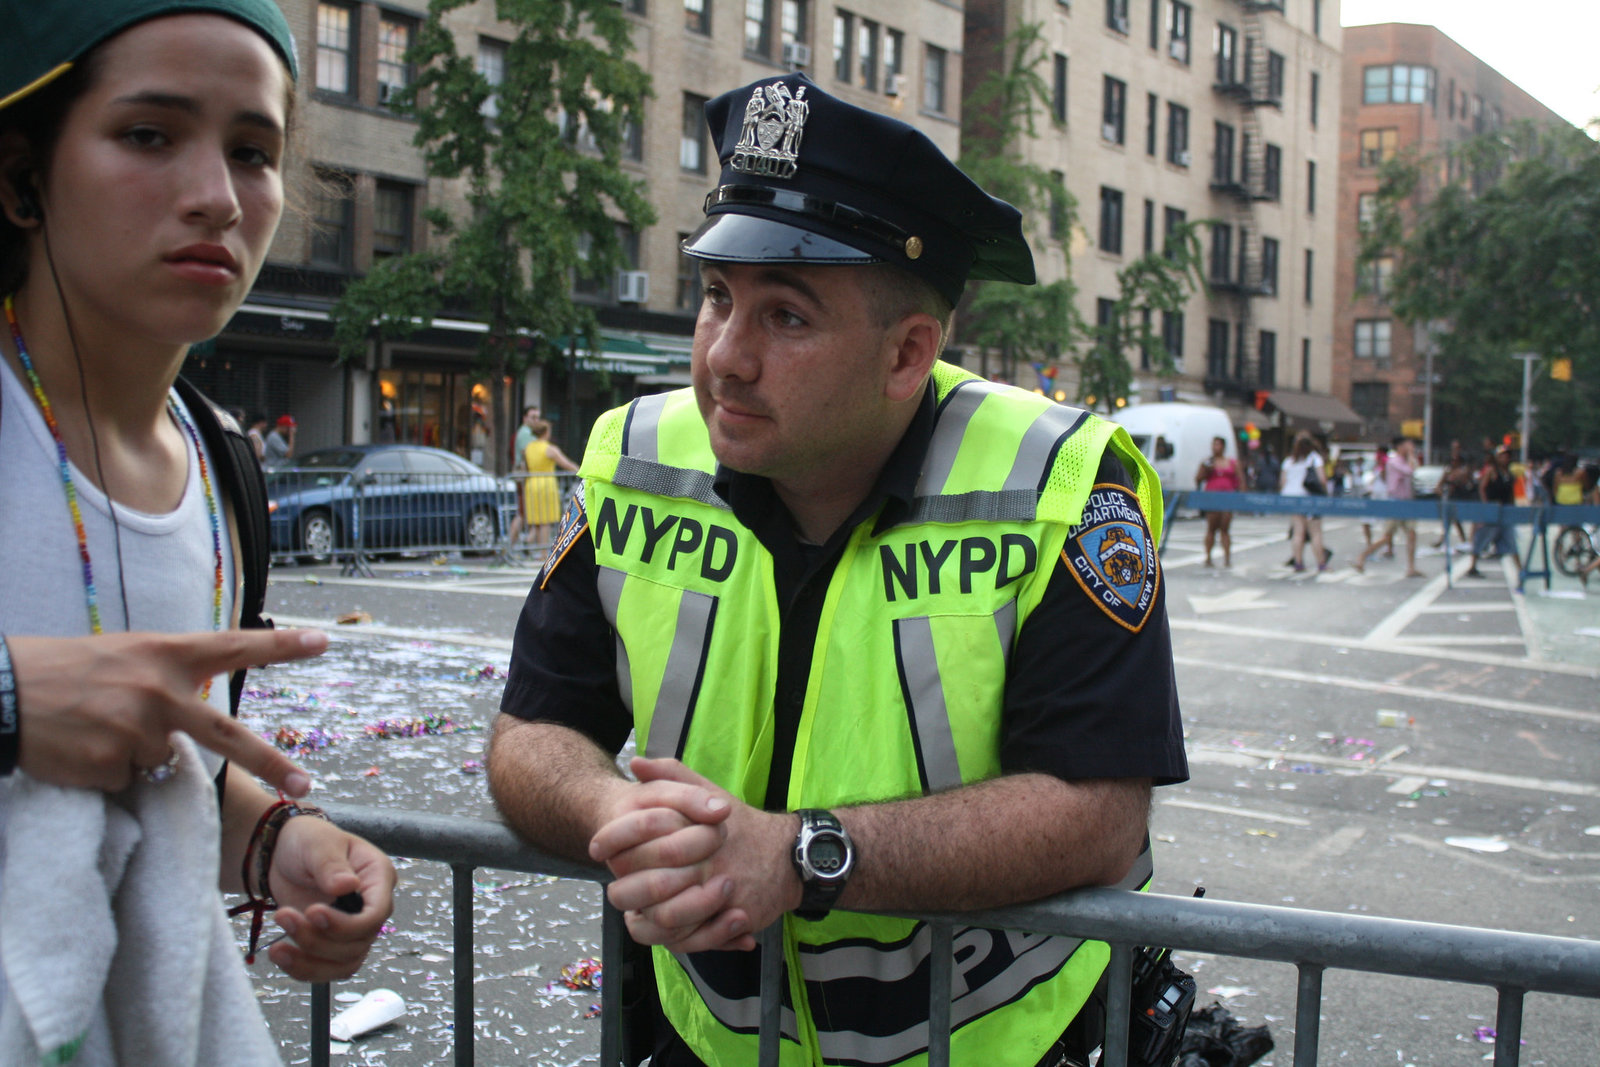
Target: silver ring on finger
(166, 771)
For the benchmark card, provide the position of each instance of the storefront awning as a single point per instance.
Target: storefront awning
(1313, 412)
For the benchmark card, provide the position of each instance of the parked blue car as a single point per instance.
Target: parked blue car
(390, 497)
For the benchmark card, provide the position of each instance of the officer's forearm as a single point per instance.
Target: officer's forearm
(551, 784)
(999, 842)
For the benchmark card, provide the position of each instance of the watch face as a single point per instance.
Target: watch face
(827, 854)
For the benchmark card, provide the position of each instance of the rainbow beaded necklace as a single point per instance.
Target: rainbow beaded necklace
(72, 490)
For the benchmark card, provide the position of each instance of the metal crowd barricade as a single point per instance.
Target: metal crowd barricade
(1514, 964)
(1537, 517)
(555, 488)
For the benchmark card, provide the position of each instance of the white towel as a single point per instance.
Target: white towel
(115, 947)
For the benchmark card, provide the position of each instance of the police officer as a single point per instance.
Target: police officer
(888, 636)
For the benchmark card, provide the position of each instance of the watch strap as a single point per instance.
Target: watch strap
(818, 892)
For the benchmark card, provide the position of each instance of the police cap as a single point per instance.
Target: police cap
(808, 178)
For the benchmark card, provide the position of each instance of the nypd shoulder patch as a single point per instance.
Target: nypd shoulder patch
(1111, 554)
(574, 521)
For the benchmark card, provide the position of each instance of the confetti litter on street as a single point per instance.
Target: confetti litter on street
(1478, 844)
(353, 618)
(371, 772)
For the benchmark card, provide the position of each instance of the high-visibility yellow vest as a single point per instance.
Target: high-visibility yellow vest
(903, 698)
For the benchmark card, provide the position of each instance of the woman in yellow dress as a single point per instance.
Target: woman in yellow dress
(541, 497)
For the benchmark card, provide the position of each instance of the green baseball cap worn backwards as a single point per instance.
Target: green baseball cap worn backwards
(43, 38)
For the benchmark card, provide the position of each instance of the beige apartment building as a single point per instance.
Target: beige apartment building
(1407, 88)
(1163, 110)
(1166, 111)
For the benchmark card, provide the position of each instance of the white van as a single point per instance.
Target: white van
(1176, 438)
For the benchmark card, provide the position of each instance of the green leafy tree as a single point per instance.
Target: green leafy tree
(539, 156)
(1160, 281)
(1496, 254)
(1021, 324)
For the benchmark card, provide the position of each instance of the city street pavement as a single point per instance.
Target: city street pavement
(1358, 742)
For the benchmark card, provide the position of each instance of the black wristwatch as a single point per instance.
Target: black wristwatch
(824, 857)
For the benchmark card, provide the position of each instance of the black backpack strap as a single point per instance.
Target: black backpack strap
(237, 472)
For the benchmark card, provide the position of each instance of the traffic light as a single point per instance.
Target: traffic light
(1561, 370)
(1261, 399)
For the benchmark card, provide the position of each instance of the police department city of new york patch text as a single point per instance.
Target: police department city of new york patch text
(1113, 557)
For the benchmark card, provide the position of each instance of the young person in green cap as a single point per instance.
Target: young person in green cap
(141, 182)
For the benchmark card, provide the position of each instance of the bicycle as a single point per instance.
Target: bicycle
(1574, 550)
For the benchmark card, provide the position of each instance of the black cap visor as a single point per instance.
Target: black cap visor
(748, 239)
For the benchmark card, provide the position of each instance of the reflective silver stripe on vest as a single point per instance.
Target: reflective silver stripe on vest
(641, 433)
(669, 721)
(1005, 624)
(1036, 958)
(611, 580)
(658, 479)
(1017, 498)
(1143, 869)
(743, 1014)
(924, 695)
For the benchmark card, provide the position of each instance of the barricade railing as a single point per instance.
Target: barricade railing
(349, 516)
(1513, 964)
(1537, 517)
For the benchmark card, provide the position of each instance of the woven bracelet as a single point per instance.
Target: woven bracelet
(257, 866)
(10, 719)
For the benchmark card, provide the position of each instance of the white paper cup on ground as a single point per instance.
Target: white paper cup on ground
(378, 1008)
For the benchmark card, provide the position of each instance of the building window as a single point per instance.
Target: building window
(394, 73)
(1058, 96)
(1378, 146)
(894, 61)
(1305, 364)
(1311, 187)
(1267, 358)
(1145, 318)
(1113, 110)
(1177, 134)
(492, 69)
(1274, 76)
(1450, 99)
(1172, 221)
(1370, 400)
(1225, 43)
(1152, 108)
(1269, 266)
(1149, 226)
(333, 221)
(867, 54)
(692, 141)
(1180, 23)
(1117, 15)
(1372, 339)
(689, 287)
(1366, 211)
(1272, 172)
(391, 219)
(844, 25)
(335, 49)
(1316, 17)
(1058, 205)
(697, 16)
(1316, 96)
(933, 84)
(1374, 276)
(1477, 114)
(1398, 83)
(1172, 334)
(1217, 349)
(1310, 262)
(758, 27)
(1110, 220)
(1221, 252)
(1155, 24)
(634, 7)
(1222, 155)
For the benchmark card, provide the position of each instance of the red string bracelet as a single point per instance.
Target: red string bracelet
(261, 847)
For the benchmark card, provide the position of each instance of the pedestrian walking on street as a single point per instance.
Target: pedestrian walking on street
(1219, 474)
(1491, 540)
(1302, 476)
(1398, 486)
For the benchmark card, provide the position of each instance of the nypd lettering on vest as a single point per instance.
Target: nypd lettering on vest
(1113, 557)
(644, 534)
(927, 568)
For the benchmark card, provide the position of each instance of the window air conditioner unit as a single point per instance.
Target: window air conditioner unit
(1120, 23)
(796, 54)
(387, 91)
(1109, 131)
(633, 286)
(892, 84)
(1179, 49)
(1182, 159)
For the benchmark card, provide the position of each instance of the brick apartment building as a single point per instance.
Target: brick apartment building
(1406, 87)
(1223, 110)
